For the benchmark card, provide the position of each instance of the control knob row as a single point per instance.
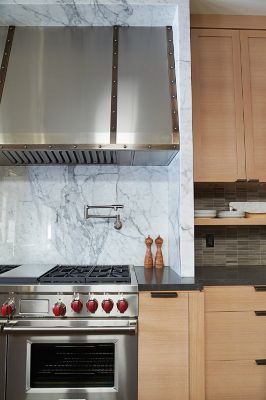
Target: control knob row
(59, 309)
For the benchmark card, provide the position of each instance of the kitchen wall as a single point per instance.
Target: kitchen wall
(234, 245)
(136, 13)
(41, 217)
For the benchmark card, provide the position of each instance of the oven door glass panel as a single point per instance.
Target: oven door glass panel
(57, 365)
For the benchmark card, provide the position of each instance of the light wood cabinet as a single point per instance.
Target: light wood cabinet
(235, 342)
(253, 60)
(163, 347)
(218, 129)
(235, 380)
(229, 104)
(171, 346)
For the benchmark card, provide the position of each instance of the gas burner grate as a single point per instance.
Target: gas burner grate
(6, 268)
(66, 274)
(85, 274)
(110, 274)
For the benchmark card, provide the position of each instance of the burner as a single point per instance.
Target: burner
(110, 274)
(6, 268)
(84, 274)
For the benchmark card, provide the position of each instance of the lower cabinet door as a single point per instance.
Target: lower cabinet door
(163, 346)
(236, 380)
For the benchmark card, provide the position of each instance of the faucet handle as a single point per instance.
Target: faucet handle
(118, 224)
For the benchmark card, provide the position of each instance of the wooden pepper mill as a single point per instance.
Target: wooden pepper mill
(159, 254)
(148, 261)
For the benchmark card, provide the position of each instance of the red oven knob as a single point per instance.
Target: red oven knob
(122, 305)
(59, 309)
(92, 305)
(7, 308)
(76, 305)
(107, 305)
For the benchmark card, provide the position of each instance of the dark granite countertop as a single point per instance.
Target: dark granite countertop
(163, 279)
(167, 279)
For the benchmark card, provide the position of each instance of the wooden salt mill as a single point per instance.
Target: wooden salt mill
(159, 254)
(148, 261)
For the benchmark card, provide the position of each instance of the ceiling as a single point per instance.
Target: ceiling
(230, 7)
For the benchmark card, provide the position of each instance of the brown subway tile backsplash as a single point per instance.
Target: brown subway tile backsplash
(233, 245)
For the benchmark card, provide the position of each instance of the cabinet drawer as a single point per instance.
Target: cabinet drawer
(235, 336)
(235, 380)
(235, 298)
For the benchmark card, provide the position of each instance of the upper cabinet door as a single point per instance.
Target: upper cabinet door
(218, 127)
(253, 57)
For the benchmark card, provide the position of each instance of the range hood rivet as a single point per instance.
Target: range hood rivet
(174, 146)
(115, 54)
(175, 128)
(114, 67)
(149, 147)
(170, 53)
(113, 111)
(3, 67)
(50, 147)
(169, 40)
(114, 81)
(25, 146)
(75, 146)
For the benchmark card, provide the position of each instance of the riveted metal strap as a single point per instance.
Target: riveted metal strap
(172, 83)
(113, 126)
(5, 59)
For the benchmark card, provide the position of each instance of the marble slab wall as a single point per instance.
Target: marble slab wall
(138, 13)
(41, 213)
(87, 12)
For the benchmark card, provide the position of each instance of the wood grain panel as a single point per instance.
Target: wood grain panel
(218, 130)
(235, 380)
(196, 346)
(253, 57)
(227, 21)
(235, 336)
(163, 347)
(234, 298)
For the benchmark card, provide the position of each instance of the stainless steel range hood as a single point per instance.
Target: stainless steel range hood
(87, 95)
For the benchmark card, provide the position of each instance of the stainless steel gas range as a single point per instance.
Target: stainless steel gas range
(69, 332)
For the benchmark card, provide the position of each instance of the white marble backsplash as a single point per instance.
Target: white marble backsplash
(41, 217)
(87, 12)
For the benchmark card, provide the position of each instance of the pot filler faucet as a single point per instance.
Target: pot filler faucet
(117, 225)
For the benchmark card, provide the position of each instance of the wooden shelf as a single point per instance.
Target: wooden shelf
(229, 221)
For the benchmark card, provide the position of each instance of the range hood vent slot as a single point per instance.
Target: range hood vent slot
(55, 157)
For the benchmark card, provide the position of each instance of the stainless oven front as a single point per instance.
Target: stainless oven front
(72, 359)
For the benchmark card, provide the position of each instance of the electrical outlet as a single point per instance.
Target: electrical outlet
(209, 240)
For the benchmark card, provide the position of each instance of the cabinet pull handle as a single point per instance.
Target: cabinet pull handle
(163, 295)
(261, 362)
(253, 180)
(241, 180)
(260, 313)
(260, 288)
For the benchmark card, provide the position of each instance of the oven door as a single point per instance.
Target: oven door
(83, 360)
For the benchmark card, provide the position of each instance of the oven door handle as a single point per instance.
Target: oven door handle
(127, 330)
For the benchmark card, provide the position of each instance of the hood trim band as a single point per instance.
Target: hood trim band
(5, 59)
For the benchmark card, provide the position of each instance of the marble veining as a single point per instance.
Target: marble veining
(41, 217)
(138, 13)
(87, 12)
